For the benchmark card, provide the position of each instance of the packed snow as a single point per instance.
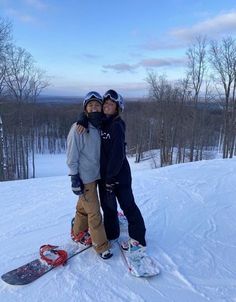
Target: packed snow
(189, 210)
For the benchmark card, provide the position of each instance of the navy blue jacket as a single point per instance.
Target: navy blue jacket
(114, 165)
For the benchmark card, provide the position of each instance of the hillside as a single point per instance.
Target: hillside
(189, 210)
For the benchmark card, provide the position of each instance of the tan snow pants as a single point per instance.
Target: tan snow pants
(88, 216)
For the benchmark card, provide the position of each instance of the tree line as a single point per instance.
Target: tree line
(145, 132)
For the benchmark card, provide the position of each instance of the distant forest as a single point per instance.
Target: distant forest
(44, 128)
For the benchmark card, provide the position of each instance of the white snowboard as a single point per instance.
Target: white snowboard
(140, 264)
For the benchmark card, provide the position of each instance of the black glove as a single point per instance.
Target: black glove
(110, 185)
(77, 184)
(82, 120)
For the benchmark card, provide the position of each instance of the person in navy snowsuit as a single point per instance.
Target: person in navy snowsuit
(115, 183)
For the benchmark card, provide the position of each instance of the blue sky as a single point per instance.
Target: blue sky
(96, 45)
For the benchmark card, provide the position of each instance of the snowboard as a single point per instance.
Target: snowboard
(139, 264)
(35, 269)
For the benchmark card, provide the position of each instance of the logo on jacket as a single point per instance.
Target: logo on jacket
(105, 135)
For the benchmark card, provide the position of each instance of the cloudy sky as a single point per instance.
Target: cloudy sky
(99, 44)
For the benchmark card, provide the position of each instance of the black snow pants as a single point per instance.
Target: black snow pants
(124, 195)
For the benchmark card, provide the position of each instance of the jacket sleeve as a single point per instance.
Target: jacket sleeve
(82, 120)
(73, 148)
(117, 152)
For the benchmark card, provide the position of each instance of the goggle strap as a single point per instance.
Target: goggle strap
(93, 96)
(110, 97)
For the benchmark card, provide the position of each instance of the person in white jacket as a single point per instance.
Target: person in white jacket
(83, 160)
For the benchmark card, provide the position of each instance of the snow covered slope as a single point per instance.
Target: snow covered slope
(189, 211)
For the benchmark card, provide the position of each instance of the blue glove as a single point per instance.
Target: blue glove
(77, 184)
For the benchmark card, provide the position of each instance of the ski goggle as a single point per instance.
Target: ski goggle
(111, 94)
(115, 97)
(92, 95)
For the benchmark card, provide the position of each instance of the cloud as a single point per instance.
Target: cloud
(37, 4)
(25, 12)
(121, 67)
(155, 63)
(90, 56)
(20, 16)
(146, 63)
(221, 24)
(22, 12)
(162, 44)
(135, 33)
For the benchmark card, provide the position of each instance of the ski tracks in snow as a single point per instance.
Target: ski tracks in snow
(188, 217)
(189, 212)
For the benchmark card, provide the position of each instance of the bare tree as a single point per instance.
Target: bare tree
(37, 83)
(24, 83)
(223, 60)
(184, 94)
(19, 64)
(5, 37)
(19, 68)
(165, 95)
(196, 70)
(2, 153)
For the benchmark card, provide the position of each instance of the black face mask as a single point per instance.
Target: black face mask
(95, 118)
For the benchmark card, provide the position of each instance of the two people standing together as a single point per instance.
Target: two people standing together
(97, 156)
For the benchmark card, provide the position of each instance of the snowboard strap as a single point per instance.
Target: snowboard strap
(62, 255)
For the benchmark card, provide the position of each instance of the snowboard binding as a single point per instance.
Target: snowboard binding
(52, 256)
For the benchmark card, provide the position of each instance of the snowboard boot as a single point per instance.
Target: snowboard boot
(106, 255)
(83, 237)
(133, 246)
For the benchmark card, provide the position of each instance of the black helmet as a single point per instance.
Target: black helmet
(115, 97)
